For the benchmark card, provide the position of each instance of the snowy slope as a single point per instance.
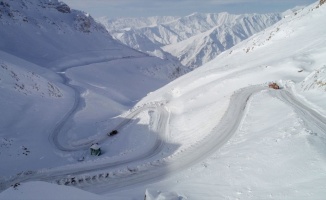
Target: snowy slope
(315, 81)
(278, 151)
(47, 36)
(50, 34)
(32, 102)
(63, 78)
(199, 49)
(36, 191)
(223, 136)
(312, 90)
(193, 39)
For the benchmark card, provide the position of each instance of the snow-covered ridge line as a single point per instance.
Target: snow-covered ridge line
(127, 23)
(279, 30)
(194, 39)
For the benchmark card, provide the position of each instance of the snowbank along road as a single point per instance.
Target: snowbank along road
(103, 178)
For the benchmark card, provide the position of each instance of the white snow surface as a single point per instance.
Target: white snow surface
(217, 132)
(194, 39)
(54, 39)
(63, 74)
(41, 190)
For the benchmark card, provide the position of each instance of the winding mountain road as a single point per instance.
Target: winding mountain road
(222, 132)
(59, 127)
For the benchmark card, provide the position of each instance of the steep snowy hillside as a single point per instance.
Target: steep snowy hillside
(50, 34)
(62, 78)
(194, 39)
(315, 81)
(278, 149)
(312, 89)
(32, 101)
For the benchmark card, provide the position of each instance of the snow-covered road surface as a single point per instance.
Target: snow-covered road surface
(57, 174)
(59, 128)
(317, 122)
(222, 132)
(103, 179)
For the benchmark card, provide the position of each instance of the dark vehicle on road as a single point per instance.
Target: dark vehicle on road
(114, 132)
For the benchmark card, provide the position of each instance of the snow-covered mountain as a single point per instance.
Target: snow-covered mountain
(118, 24)
(60, 69)
(49, 33)
(193, 39)
(218, 132)
(45, 32)
(278, 149)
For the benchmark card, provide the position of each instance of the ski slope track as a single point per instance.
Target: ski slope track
(155, 170)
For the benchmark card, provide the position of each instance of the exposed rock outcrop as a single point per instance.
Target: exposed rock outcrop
(64, 8)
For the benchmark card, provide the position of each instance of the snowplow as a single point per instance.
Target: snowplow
(274, 86)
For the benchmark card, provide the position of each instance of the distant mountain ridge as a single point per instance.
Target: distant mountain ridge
(126, 23)
(194, 39)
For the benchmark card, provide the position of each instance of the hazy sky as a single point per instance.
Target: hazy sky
(145, 8)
